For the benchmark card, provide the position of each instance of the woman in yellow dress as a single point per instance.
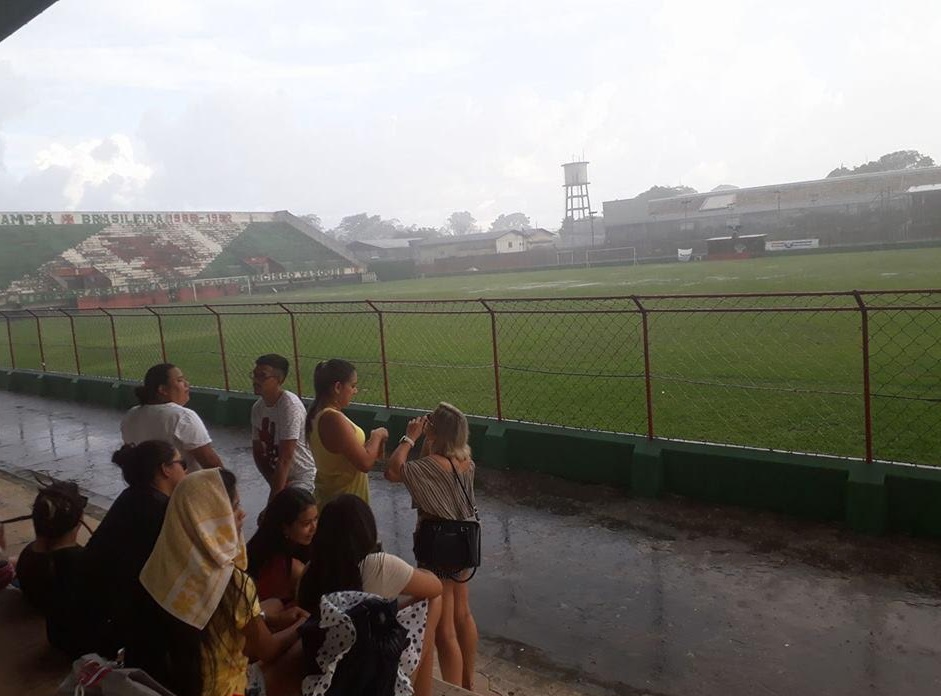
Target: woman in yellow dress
(341, 450)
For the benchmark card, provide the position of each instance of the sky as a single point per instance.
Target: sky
(412, 109)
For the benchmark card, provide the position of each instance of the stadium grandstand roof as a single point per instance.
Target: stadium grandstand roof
(386, 243)
(823, 182)
(463, 238)
(16, 13)
(854, 189)
(791, 184)
(724, 200)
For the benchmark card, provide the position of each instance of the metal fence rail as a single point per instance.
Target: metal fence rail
(844, 373)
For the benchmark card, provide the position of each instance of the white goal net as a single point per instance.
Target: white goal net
(610, 255)
(244, 282)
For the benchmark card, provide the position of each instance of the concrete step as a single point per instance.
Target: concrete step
(445, 689)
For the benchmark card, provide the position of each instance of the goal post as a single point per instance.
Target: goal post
(565, 257)
(610, 256)
(244, 282)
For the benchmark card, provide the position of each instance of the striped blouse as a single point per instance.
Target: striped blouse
(436, 493)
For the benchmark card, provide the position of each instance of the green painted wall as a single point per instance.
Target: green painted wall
(873, 498)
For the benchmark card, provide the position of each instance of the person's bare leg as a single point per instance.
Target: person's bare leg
(466, 629)
(284, 676)
(449, 652)
(422, 679)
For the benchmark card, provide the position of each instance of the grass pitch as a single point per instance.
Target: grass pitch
(790, 381)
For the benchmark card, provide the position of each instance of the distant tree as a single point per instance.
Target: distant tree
(724, 187)
(893, 161)
(664, 192)
(363, 226)
(313, 220)
(512, 221)
(461, 222)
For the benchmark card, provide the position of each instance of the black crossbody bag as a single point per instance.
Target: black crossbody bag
(446, 544)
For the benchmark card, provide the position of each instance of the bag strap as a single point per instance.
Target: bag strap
(463, 490)
(467, 579)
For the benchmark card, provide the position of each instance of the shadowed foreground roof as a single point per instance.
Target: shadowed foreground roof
(16, 13)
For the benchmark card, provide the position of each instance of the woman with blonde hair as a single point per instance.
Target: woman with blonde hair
(441, 483)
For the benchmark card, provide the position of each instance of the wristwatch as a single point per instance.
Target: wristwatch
(406, 438)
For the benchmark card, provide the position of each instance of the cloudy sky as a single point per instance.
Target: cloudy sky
(415, 108)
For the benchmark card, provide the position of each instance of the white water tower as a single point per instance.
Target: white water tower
(577, 204)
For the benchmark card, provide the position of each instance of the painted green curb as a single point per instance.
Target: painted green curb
(873, 498)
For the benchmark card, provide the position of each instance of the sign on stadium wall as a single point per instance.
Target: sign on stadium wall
(146, 218)
(788, 244)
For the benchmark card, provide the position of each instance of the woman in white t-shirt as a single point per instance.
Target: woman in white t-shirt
(345, 556)
(162, 415)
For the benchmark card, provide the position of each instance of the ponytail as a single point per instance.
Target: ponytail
(326, 374)
(156, 377)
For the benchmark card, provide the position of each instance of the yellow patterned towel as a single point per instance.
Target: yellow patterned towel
(197, 550)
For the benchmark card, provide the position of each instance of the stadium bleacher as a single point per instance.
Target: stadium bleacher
(277, 240)
(53, 255)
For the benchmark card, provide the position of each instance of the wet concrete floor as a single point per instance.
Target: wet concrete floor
(620, 596)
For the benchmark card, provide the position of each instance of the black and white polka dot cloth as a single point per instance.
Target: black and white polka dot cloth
(341, 635)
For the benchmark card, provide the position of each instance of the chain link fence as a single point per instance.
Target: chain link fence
(854, 374)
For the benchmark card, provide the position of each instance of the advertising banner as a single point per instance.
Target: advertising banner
(788, 244)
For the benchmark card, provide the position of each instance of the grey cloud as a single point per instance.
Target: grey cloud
(106, 150)
(43, 190)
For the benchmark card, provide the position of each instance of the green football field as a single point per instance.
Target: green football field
(871, 270)
(784, 380)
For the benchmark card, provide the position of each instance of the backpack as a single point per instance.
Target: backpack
(356, 646)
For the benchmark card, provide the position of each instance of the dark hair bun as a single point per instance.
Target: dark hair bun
(123, 456)
(57, 509)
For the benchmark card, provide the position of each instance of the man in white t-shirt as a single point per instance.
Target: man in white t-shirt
(279, 443)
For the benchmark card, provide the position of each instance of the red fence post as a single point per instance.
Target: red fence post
(78, 365)
(10, 341)
(645, 330)
(163, 346)
(42, 350)
(225, 366)
(114, 341)
(382, 350)
(297, 361)
(867, 394)
(496, 358)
